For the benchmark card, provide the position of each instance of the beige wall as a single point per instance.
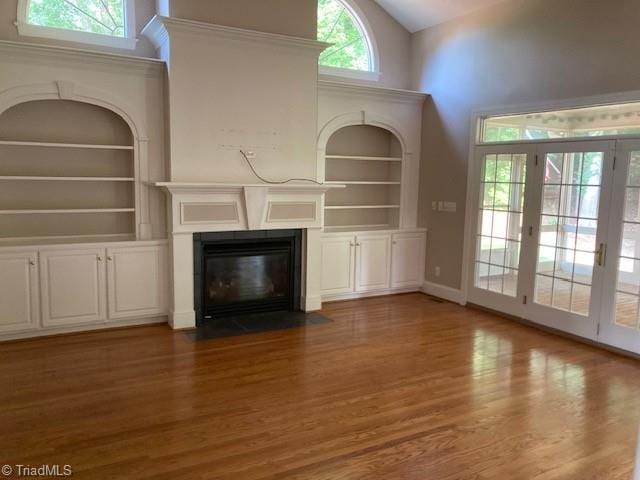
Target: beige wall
(288, 17)
(145, 9)
(522, 51)
(394, 43)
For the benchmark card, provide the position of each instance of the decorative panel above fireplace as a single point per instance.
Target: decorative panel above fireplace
(246, 272)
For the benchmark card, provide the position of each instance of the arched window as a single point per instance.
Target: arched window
(99, 22)
(353, 53)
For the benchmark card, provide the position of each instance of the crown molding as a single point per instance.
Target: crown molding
(53, 54)
(159, 30)
(389, 94)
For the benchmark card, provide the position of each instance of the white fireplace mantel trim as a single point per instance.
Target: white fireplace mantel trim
(209, 207)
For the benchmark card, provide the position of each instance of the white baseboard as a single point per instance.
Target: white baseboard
(182, 320)
(442, 291)
(52, 331)
(377, 293)
(312, 303)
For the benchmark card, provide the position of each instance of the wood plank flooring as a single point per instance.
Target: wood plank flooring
(399, 387)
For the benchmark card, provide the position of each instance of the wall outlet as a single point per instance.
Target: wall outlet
(437, 271)
(451, 207)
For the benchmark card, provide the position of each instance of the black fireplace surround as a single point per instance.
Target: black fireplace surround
(237, 273)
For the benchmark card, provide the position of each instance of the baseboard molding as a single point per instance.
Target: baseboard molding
(442, 291)
(86, 328)
(312, 303)
(182, 320)
(377, 293)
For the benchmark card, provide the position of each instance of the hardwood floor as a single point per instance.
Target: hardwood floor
(394, 388)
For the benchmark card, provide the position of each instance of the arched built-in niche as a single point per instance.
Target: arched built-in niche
(67, 171)
(369, 160)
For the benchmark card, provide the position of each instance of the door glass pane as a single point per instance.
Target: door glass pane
(568, 227)
(499, 232)
(628, 282)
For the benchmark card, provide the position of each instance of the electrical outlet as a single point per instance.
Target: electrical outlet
(450, 207)
(437, 271)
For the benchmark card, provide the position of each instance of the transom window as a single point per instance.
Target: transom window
(100, 22)
(352, 52)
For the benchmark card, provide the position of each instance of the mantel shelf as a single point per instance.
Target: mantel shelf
(357, 207)
(67, 179)
(66, 145)
(363, 158)
(68, 210)
(349, 182)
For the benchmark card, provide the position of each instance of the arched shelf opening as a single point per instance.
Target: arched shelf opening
(369, 160)
(67, 173)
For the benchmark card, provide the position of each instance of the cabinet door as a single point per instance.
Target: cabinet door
(73, 287)
(19, 302)
(337, 264)
(407, 259)
(373, 262)
(137, 281)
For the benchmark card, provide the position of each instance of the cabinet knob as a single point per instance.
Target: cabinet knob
(99, 258)
(110, 258)
(351, 245)
(32, 263)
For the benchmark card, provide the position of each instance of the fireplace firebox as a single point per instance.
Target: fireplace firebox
(237, 273)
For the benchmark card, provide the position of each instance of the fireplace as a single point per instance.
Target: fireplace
(246, 272)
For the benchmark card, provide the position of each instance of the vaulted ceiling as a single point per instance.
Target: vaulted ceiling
(419, 14)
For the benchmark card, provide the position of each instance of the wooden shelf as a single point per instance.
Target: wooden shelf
(70, 210)
(349, 182)
(357, 207)
(66, 179)
(366, 159)
(66, 145)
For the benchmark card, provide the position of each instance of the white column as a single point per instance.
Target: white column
(313, 274)
(182, 313)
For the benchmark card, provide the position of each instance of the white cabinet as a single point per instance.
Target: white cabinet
(373, 257)
(137, 281)
(61, 287)
(19, 299)
(338, 261)
(372, 263)
(407, 259)
(73, 287)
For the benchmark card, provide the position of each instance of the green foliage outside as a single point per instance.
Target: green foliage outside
(336, 25)
(105, 17)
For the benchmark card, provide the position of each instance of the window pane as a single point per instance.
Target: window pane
(338, 25)
(619, 119)
(104, 17)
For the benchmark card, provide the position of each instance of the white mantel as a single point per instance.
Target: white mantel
(212, 207)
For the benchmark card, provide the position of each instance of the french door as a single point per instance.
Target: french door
(572, 186)
(620, 312)
(557, 236)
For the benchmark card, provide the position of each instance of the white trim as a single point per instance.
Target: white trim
(336, 297)
(374, 57)
(87, 328)
(442, 291)
(327, 72)
(127, 42)
(159, 29)
(395, 95)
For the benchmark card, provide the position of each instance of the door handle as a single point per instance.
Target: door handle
(601, 254)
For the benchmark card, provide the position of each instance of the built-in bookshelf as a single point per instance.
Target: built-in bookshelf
(368, 160)
(66, 173)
